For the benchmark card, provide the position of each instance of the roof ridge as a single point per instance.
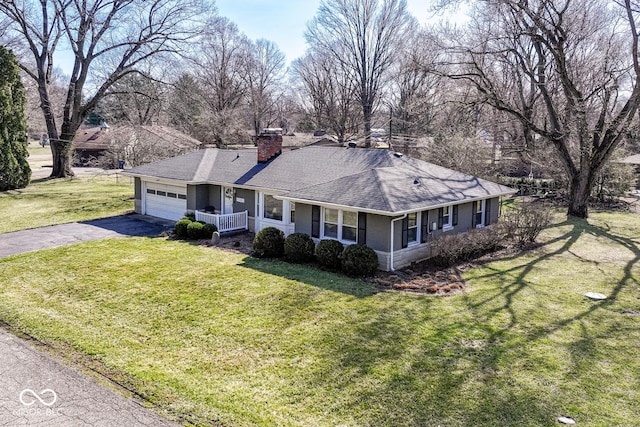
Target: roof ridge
(382, 185)
(207, 161)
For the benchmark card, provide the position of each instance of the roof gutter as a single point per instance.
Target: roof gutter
(391, 268)
(390, 213)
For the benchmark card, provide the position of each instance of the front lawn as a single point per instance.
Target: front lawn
(216, 337)
(58, 201)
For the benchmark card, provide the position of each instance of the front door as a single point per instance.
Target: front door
(227, 204)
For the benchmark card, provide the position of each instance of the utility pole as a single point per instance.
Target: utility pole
(390, 126)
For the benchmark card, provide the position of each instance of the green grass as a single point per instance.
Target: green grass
(212, 336)
(35, 149)
(48, 202)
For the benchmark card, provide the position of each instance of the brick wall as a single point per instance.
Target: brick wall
(269, 146)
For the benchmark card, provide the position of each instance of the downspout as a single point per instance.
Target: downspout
(392, 241)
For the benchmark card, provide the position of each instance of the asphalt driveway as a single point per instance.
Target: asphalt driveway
(35, 239)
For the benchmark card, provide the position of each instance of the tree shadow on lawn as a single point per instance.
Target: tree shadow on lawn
(579, 228)
(583, 344)
(311, 275)
(460, 372)
(410, 363)
(400, 365)
(399, 361)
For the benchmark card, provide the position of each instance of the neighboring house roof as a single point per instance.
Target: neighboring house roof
(97, 138)
(366, 179)
(91, 139)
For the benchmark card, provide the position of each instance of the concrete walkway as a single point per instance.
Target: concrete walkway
(36, 389)
(65, 234)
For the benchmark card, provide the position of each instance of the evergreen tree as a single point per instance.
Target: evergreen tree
(14, 168)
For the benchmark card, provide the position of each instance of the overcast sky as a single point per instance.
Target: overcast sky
(283, 21)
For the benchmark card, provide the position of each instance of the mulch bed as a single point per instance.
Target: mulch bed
(421, 280)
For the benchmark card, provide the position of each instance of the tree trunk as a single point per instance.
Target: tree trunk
(367, 113)
(579, 192)
(62, 151)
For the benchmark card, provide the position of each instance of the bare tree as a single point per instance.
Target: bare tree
(219, 67)
(263, 76)
(328, 92)
(108, 39)
(136, 99)
(417, 94)
(568, 71)
(364, 36)
(57, 93)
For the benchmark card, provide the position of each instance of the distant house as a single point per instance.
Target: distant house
(89, 144)
(635, 161)
(120, 143)
(393, 203)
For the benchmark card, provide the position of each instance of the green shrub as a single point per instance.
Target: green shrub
(195, 230)
(181, 228)
(328, 253)
(208, 230)
(268, 243)
(359, 260)
(190, 215)
(298, 247)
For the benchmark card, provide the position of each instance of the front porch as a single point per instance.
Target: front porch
(225, 223)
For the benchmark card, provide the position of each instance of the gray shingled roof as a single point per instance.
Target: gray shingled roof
(376, 180)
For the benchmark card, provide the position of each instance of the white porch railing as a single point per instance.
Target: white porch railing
(225, 222)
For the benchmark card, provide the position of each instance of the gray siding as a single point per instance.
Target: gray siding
(249, 204)
(465, 219)
(215, 192)
(303, 218)
(378, 229)
(202, 196)
(137, 195)
(397, 235)
(191, 197)
(137, 188)
(494, 210)
(198, 196)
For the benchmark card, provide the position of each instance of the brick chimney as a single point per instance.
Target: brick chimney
(269, 146)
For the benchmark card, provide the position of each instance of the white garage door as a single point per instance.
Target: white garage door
(166, 201)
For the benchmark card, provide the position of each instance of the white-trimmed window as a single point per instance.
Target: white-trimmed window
(479, 213)
(349, 226)
(292, 212)
(273, 208)
(340, 225)
(447, 217)
(413, 227)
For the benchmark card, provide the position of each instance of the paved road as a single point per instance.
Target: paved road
(36, 390)
(66, 234)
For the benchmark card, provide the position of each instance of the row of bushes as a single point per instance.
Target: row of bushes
(519, 226)
(188, 228)
(354, 260)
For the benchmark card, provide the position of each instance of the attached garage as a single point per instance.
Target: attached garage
(165, 201)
